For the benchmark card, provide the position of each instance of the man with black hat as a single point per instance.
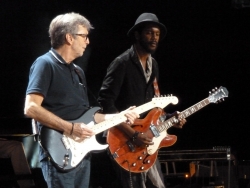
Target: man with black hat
(131, 79)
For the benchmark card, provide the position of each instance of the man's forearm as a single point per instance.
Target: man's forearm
(47, 118)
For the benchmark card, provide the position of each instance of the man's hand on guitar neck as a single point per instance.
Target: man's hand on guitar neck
(129, 113)
(179, 122)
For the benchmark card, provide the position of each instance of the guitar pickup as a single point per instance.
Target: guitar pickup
(130, 145)
(154, 131)
(65, 142)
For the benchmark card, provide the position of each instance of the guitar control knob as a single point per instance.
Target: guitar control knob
(150, 151)
(134, 164)
(66, 159)
(148, 161)
(142, 168)
(140, 157)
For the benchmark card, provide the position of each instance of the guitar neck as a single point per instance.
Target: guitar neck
(119, 118)
(184, 114)
(194, 108)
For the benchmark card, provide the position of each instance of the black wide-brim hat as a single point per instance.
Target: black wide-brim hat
(148, 18)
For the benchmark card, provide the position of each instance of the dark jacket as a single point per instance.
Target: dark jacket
(125, 85)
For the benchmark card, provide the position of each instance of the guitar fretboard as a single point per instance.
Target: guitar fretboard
(194, 108)
(119, 118)
(191, 110)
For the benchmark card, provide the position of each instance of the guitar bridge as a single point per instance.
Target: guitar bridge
(154, 130)
(115, 155)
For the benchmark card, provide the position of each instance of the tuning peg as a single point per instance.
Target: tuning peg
(216, 88)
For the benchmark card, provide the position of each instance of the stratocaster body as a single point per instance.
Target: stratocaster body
(66, 152)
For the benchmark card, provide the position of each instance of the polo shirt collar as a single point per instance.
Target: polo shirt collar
(57, 56)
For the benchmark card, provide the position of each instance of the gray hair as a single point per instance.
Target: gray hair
(63, 24)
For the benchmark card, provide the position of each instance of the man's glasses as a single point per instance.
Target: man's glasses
(84, 36)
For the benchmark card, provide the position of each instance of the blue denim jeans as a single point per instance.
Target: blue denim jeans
(76, 178)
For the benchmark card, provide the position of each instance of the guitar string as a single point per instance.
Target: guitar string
(184, 114)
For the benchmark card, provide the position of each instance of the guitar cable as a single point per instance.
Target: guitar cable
(130, 176)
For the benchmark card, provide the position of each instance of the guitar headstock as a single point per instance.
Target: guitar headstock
(218, 95)
(162, 102)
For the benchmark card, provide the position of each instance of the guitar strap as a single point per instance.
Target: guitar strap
(157, 91)
(91, 95)
(78, 74)
(157, 94)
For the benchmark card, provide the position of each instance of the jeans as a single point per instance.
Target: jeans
(75, 178)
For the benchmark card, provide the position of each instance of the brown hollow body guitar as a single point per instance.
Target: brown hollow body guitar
(134, 158)
(138, 159)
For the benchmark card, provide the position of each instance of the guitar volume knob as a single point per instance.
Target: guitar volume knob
(134, 164)
(142, 168)
(150, 151)
(140, 157)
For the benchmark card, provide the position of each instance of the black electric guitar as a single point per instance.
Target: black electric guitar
(138, 159)
(67, 152)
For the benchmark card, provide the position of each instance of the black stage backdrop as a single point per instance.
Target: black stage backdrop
(207, 46)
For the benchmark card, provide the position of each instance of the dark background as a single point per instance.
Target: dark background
(207, 46)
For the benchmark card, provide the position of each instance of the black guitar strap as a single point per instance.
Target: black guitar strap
(79, 74)
(92, 97)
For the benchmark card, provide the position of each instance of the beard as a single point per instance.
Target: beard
(147, 46)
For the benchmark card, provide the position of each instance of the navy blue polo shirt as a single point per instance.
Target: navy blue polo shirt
(65, 93)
